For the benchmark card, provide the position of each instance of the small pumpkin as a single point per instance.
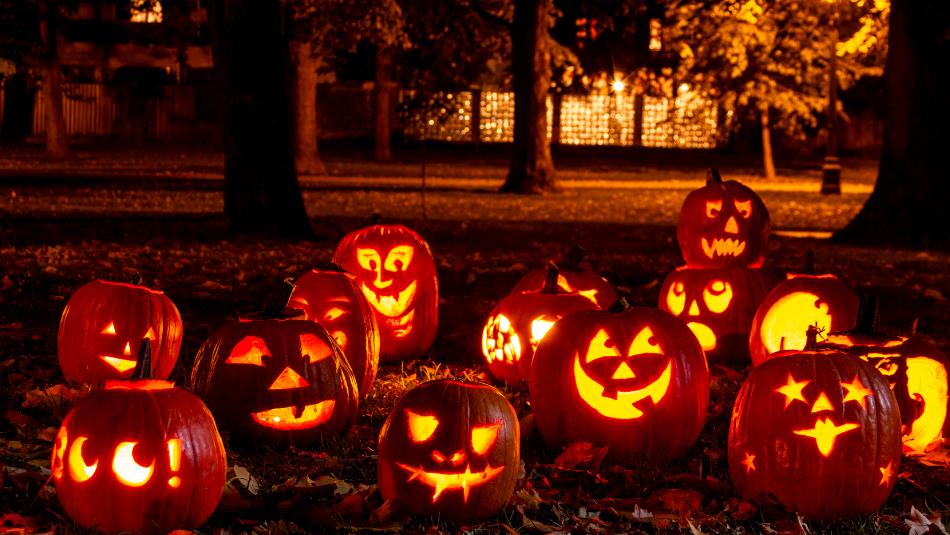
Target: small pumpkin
(450, 448)
(573, 277)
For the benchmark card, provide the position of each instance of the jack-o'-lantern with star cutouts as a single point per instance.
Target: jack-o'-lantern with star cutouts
(818, 430)
(397, 274)
(632, 379)
(280, 382)
(450, 449)
(518, 323)
(573, 277)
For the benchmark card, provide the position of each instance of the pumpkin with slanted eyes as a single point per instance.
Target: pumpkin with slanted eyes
(450, 448)
(281, 382)
(573, 277)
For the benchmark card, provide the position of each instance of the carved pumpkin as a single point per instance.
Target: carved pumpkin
(795, 304)
(718, 305)
(634, 380)
(818, 430)
(573, 277)
(281, 382)
(103, 325)
(723, 224)
(519, 322)
(451, 449)
(396, 273)
(333, 299)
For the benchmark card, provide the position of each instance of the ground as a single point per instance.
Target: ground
(111, 214)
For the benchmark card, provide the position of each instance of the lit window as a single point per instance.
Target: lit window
(148, 11)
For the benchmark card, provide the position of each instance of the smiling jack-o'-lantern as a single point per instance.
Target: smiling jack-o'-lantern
(396, 273)
(283, 382)
(573, 277)
(451, 449)
(819, 430)
(634, 380)
(520, 321)
(139, 456)
(103, 325)
(723, 224)
(332, 298)
(718, 305)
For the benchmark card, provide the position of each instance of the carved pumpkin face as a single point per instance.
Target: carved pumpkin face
(103, 326)
(621, 379)
(279, 381)
(396, 273)
(586, 283)
(818, 430)
(723, 224)
(450, 448)
(137, 455)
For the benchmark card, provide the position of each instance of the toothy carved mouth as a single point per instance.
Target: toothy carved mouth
(463, 480)
(120, 365)
(391, 305)
(723, 247)
(619, 404)
(402, 326)
(290, 418)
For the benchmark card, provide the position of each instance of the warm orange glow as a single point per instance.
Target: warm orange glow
(927, 381)
(825, 432)
(539, 328)
(150, 334)
(127, 470)
(732, 226)
(109, 329)
(601, 346)
(718, 296)
(314, 348)
(388, 305)
(484, 437)
(590, 295)
(397, 260)
(621, 406)
(786, 322)
(421, 427)
(822, 404)
(722, 247)
(287, 419)
(142, 384)
(713, 208)
(120, 365)
(792, 390)
(442, 482)
(856, 391)
(500, 341)
(250, 350)
(644, 343)
(705, 335)
(340, 338)
(128, 350)
(744, 208)
(676, 298)
(288, 379)
(887, 473)
(618, 85)
(174, 461)
(59, 453)
(333, 314)
(78, 469)
(749, 462)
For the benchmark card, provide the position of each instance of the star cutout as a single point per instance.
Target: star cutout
(749, 462)
(792, 390)
(825, 432)
(856, 392)
(887, 473)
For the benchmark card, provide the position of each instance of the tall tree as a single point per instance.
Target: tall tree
(908, 206)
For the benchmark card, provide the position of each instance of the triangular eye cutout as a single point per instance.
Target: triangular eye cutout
(250, 350)
(421, 426)
(109, 329)
(601, 346)
(313, 348)
(644, 343)
(150, 334)
(484, 437)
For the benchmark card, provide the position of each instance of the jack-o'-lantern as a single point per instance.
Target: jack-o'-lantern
(281, 382)
(520, 321)
(332, 298)
(791, 307)
(103, 325)
(723, 224)
(819, 431)
(718, 305)
(574, 277)
(632, 379)
(451, 449)
(396, 273)
(139, 456)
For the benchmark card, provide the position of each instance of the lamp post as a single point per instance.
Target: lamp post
(831, 167)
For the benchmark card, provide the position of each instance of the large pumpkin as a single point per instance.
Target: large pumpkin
(396, 273)
(819, 431)
(105, 322)
(451, 449)
(574, 277)
(723, 224)
(333, 299)
(281, 382)
(634, 380)
(718, 305)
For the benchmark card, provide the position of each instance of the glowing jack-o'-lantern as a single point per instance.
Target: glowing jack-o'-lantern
(520, 321)
(332, 298)
(718, 305)
(139, 456)
(103, 325)
(819, 430)
(723, 224)
(791, 307)
(573, 277)
(396, 273)
(451, 449)
(283, 382)
(634, 380)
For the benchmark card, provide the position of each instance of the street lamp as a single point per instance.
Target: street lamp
(831, 167)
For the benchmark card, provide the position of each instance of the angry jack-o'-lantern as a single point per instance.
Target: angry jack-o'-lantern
(818, 430)
(283, 382)
(574, 277)
(634, 380)
(451, 449)
(520, 321)
(723, 224)
(396, 273)
(103, 325)
(332, 298)
(718, 305)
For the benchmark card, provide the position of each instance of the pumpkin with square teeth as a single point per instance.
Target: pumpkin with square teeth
(283, 382)
(450, 448)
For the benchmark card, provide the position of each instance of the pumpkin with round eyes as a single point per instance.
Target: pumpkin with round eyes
(632, 379)
(104, 323)
(819, 431)
(723, 224)
(396, 273)
(451, 449)
(280, 382)
(718, 305)
(332, 298)
(573, 277)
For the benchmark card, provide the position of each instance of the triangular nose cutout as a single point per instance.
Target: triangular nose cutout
(288, 379)
(731, 226)
(694, 309)
(624, 372)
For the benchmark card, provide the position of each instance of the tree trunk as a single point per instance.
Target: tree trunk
(908, 206)
(767, 161)
(251, 56)
(531, 169)
(52, 89)
(384, 92)
(304, 110)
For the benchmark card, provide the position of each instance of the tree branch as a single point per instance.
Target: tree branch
(489, 16)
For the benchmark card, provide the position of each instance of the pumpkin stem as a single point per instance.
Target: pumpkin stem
(375, 218)
(136, 279)
(869, 314)
(573, 258)
(811, 338)
(143, 366)
(713, 176)
(550, 282)
(809, 267)
(620, 305)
